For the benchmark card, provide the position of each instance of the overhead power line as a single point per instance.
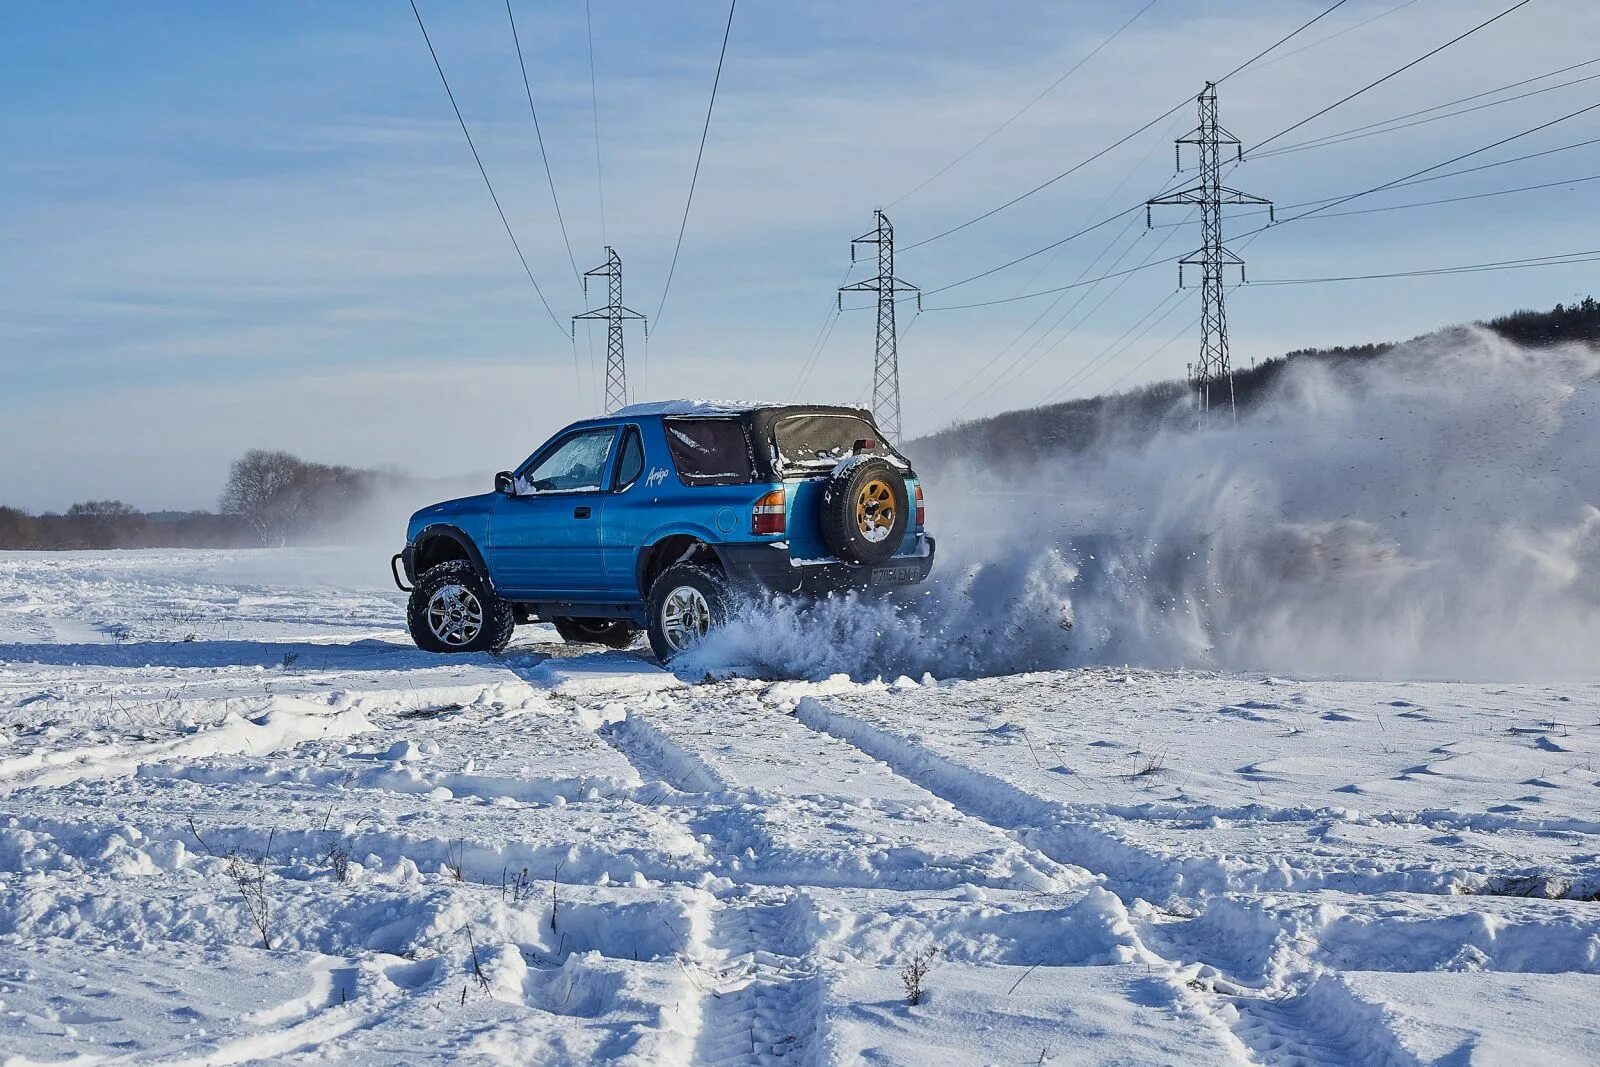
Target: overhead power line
(981, 371)
(1424, 203)
(1562, 259)
(1448, 103)
(1185, 102)
(1414, 178)
(814, 351)
(1024, 108)
(1329, 200)
(1460, 199)
(1108, 220)
(1185, 328)
(594, 107)
(1393, 73)
(1127, 340)
(1057, 289)
(1446, 163)
(1394, 125)
(1333, 36)
(1024, 360)
(479, 160)
(1019, 367)
(704, 130)
(539, 135)
(1281, 41)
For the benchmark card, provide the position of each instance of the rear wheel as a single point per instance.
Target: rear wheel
(613, 633)
(452, 609)
(687, 601)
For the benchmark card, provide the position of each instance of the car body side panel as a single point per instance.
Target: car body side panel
(634, 514)
(544, 543)
(659, 506)
(469, 514)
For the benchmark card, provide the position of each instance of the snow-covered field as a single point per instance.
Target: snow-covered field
(241, 818)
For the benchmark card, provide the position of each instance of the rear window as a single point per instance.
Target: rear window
(710, 451)
(819, 440)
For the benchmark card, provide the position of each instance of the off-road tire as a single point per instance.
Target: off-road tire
(499, 619)
(612, 633)
(841, 515)
(709, 582)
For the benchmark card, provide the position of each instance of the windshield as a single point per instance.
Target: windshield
(577, 463)
(817, 441)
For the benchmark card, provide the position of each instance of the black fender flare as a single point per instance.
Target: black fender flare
(449, 533)
(642, 557)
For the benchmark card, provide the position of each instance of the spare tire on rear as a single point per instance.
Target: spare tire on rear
(865, 508)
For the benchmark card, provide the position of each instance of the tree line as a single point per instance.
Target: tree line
(270, 498)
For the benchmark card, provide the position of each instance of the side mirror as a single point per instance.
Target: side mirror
(505, 483)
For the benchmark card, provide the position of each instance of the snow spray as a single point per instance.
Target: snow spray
(1432, 512)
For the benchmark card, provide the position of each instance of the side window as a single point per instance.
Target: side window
(630, 460)
(578, 462)
(710, 451)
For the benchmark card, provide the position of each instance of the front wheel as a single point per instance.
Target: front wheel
(452, 609)
(687, 600)
(612, 633)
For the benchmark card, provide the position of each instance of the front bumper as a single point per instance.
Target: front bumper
(769, 566)
(402, 561)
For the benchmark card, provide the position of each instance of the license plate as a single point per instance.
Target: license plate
(895, 575)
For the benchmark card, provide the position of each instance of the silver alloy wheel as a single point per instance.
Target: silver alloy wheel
(454, 615)
(685, 617)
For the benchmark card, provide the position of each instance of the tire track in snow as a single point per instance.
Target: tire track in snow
(761, 994)
(658, 758)
(1324, 1026)
(766, 1001)
(1277, 1026)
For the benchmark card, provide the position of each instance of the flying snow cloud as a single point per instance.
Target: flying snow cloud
(1433, 512)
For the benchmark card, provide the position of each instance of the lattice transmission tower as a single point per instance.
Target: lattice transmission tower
(614, 313)
(886, 363)
(1213, 257)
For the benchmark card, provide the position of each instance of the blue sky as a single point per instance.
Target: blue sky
(225, 226)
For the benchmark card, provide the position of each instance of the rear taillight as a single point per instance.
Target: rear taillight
(922, 511)
(767, 516)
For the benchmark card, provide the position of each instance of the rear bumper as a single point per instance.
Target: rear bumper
(770, 567)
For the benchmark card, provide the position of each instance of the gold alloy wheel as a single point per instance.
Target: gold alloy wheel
(875, 510)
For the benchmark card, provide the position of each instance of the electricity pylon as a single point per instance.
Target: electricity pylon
(1213, 257)
(886, 364)
(613, 313)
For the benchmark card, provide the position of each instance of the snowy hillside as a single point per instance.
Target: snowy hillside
(242, 819)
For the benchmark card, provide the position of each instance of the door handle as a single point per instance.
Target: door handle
(580, 513)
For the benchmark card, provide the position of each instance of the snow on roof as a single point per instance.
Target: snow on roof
(693, 407)
(699, 407)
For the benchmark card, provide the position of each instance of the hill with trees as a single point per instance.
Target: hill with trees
(1077, 425)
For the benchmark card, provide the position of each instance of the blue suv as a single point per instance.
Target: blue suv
(655, 516)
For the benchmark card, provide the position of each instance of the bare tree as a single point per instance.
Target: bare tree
(282, 496)
(266, 489)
